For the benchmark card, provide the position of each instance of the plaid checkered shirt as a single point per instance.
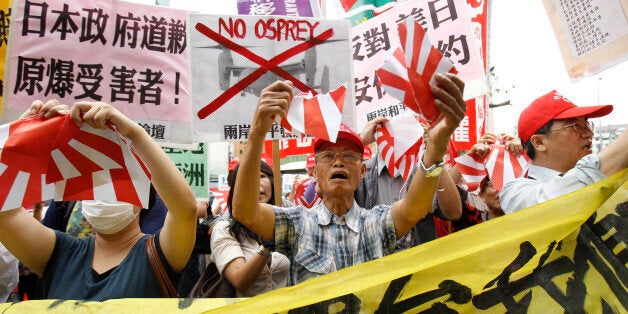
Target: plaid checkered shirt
(317, 242)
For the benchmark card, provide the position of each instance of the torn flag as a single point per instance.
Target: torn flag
(422, 61)
(46, 158)
(318, 116)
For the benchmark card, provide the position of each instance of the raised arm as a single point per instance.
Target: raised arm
(614, 157)
(447, 196)
(259, 217)
(408, 211)
(25, 237)
(178, 233)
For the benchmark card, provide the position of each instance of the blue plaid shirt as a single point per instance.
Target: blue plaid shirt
(317, 242)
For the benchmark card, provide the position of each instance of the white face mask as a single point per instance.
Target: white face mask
(108, 217)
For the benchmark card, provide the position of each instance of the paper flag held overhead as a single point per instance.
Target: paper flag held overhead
(409, 71)
(53, 158)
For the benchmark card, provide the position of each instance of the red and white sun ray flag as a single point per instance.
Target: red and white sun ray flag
(46, 158)
(22, 165)
(399, 142)
(499, 164)
(472, 169)
(300, 197)
(318, 116)
(503, 166)
(408, 75)
(386, 147)
(220, 198)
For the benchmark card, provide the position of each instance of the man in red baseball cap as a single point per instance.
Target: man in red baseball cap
(317, 239)
(557, 136)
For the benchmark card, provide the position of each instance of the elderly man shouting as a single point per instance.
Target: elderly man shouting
(338, 233)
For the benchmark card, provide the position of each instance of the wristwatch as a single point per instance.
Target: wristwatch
(263, 251)
(434, 170)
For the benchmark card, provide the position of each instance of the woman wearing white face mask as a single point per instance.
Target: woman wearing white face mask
(108, 217)
(113, 263)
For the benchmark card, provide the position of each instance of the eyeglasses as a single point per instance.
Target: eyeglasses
(328, 157)
(577, 126)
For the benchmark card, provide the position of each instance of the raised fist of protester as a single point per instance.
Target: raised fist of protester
(368, 132)
(273, 101)
(48, 110)
(448, 99)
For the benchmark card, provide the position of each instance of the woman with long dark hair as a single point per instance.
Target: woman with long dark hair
(243, 257)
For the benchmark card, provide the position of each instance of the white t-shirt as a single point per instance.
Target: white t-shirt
(226, 248)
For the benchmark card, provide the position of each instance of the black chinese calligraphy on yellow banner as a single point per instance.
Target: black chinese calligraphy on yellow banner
(566, 255)
(5, 16)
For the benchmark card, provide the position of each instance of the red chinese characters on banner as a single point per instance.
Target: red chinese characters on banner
(291, 147)
(474, 123)
(471, 127)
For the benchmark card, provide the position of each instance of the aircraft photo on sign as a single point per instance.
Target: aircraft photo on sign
(233, 58)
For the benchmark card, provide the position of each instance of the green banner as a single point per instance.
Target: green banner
(193, 165)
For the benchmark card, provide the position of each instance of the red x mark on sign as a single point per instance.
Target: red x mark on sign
(265, 65)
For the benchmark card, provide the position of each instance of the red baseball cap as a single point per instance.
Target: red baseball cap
(345, 133)
(553, 106)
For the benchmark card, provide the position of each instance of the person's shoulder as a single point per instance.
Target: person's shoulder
(62, 236)
(517, 184)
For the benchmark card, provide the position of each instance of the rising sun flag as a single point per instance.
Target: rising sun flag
(41, 159)
(316, 115)
(409, 71)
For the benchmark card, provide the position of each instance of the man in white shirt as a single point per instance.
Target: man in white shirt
(557, 137)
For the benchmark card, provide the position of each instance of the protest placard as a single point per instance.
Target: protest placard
(234, 57)
(130, 55)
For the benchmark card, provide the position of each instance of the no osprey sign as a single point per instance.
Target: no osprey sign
(234, 57)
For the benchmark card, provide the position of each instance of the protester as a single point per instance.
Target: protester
(241, 256)
(378, 187)
(338, 233)
(490, 197)
(68, 216)
(482, 205)
(113, 263)
(557, 136)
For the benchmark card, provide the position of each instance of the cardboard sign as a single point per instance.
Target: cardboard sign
(235, 57)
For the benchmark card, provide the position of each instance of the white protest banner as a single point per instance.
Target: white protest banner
(449, 29)
(235, 57)
(592, 34)
(129, 55)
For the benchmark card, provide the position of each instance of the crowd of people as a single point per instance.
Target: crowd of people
(355, 210)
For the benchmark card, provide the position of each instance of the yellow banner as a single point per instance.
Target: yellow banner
(565, 255)
(5, 19)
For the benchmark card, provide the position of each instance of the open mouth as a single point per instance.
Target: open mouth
(339, 175)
